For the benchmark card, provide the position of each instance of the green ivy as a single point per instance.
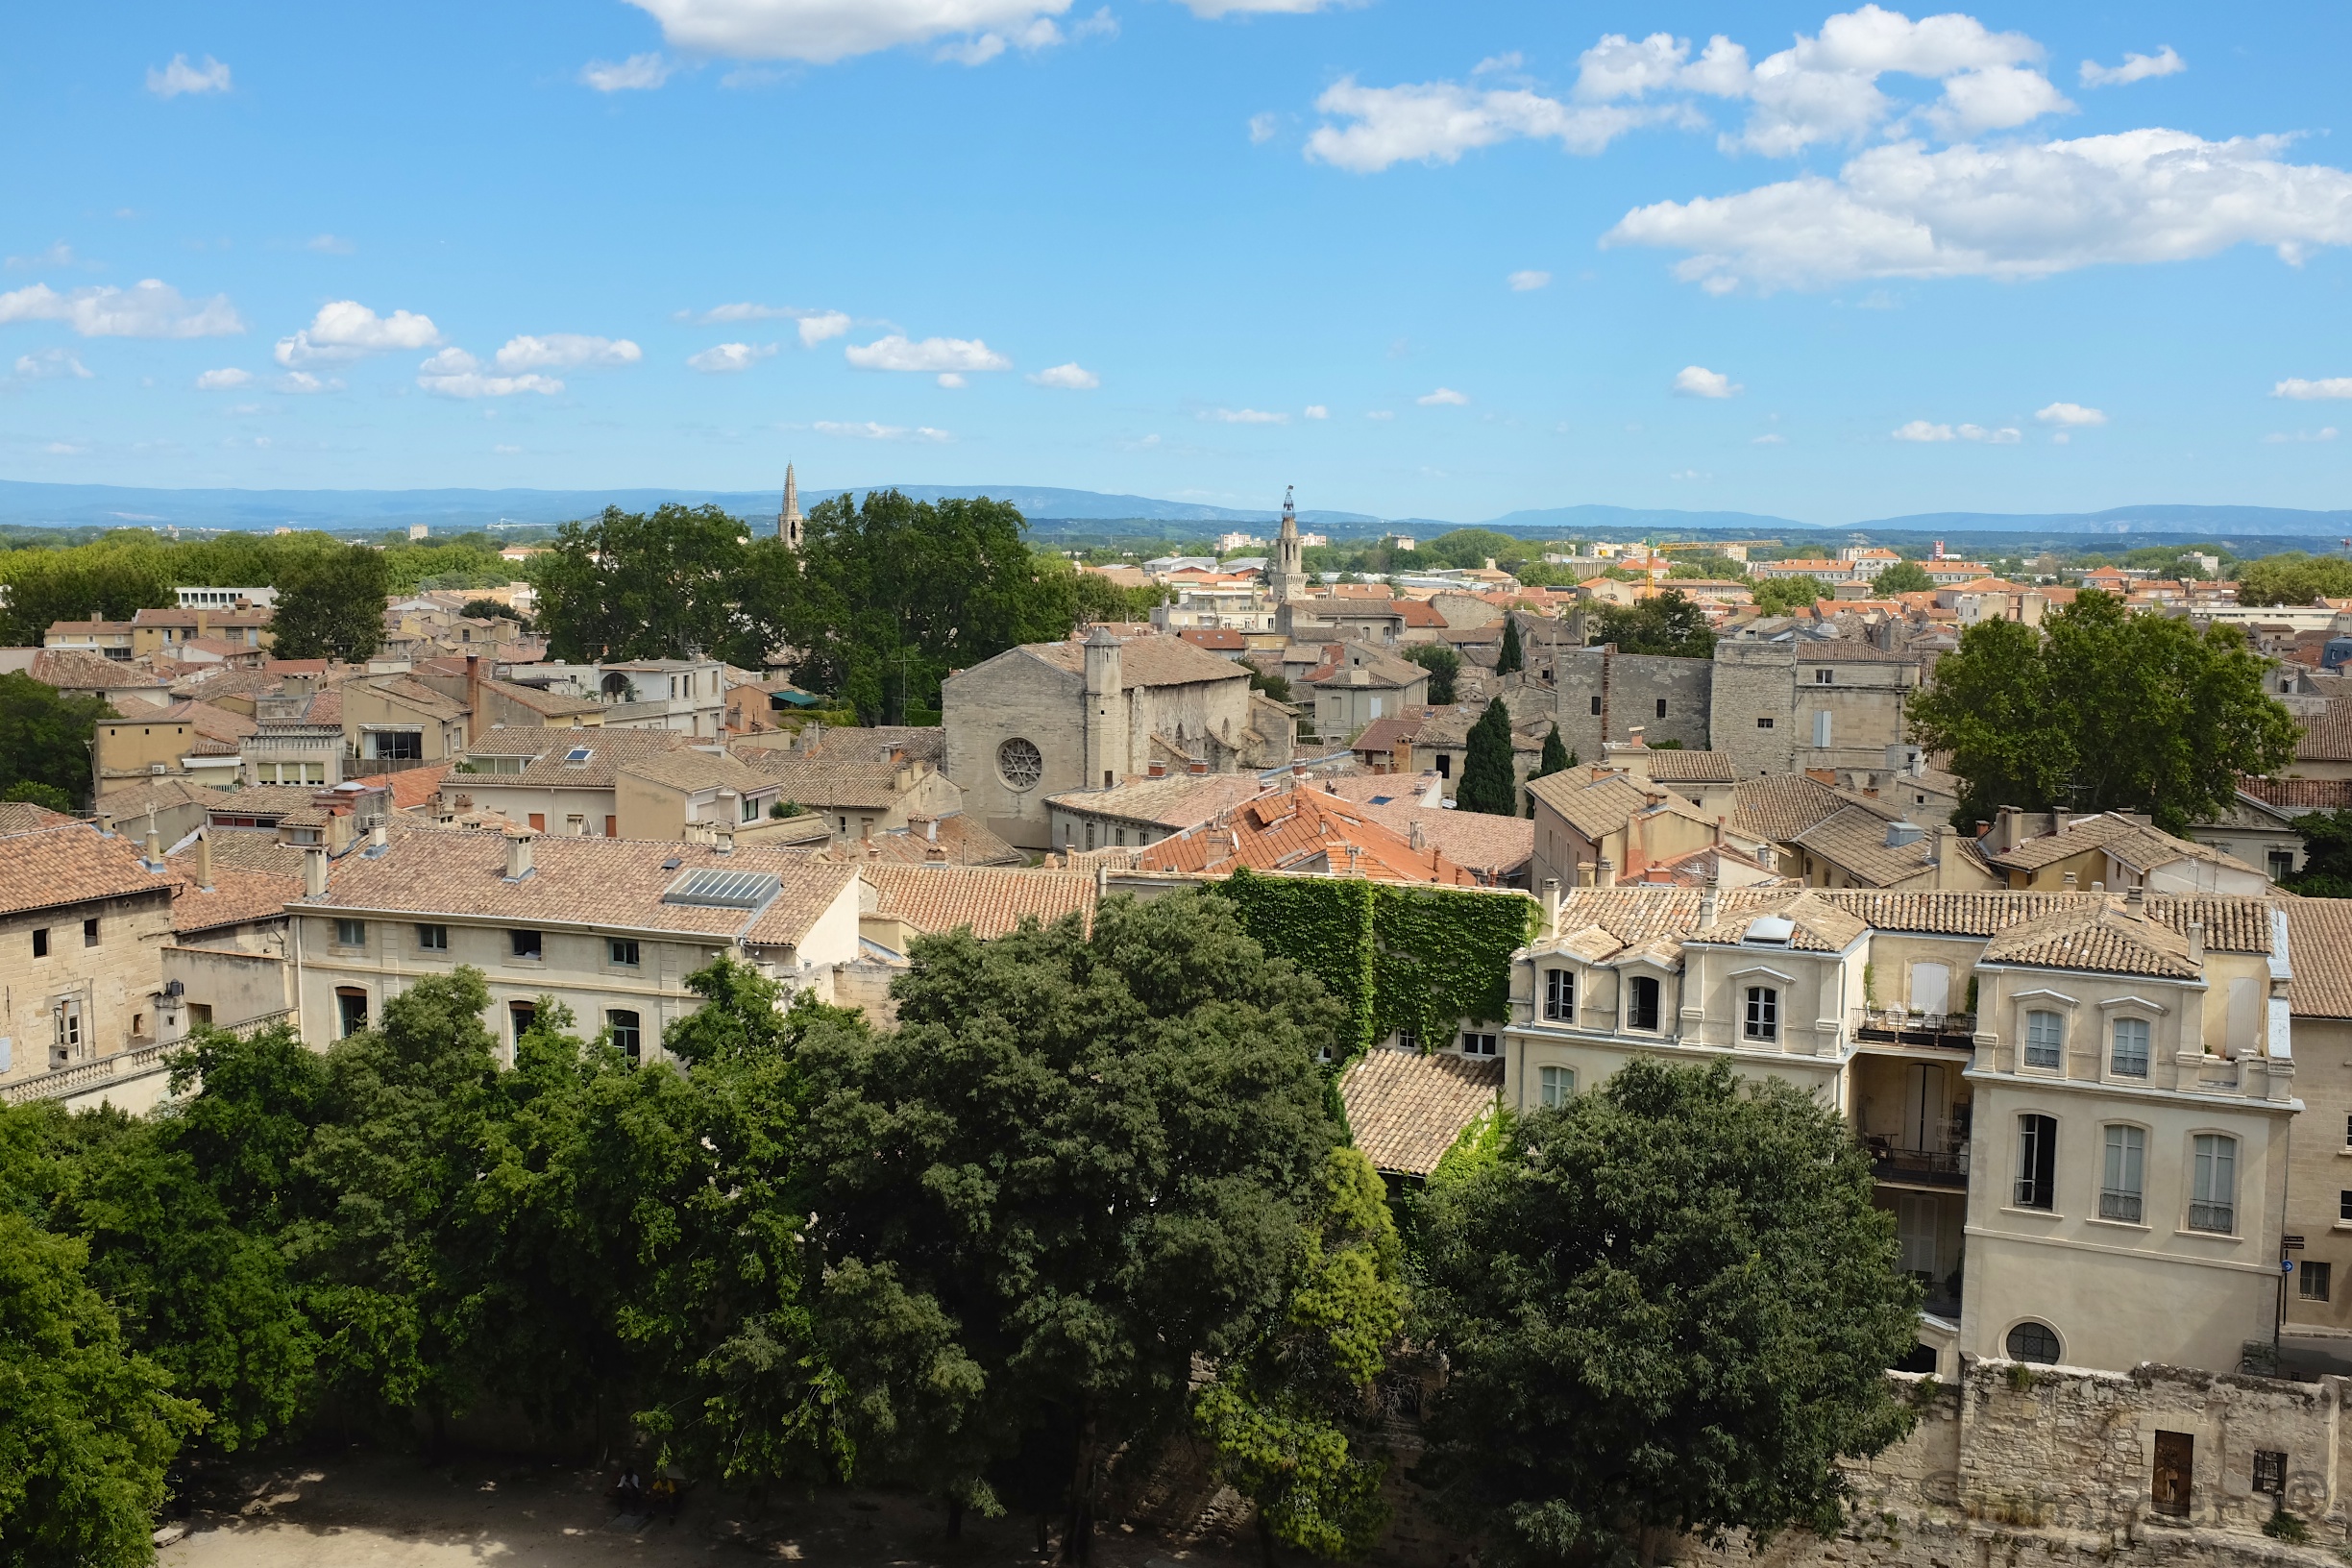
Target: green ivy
(1396, 957)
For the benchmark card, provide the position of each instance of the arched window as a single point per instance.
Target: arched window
(2031, 1342)
(1641, 1002)
(1558, 1085)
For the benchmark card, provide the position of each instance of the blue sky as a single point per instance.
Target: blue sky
(1417, 259)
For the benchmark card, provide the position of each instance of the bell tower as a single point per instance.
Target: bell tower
(789, 527)
(1288, 579)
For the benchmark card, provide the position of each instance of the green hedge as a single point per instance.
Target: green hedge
(1397, 957)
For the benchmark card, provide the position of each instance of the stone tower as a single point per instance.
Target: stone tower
(1106, 711)
(788, 521)
(1287, 580)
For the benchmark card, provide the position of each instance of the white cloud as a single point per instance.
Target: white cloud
(51, 364)
(872, 431)
(2134, 68)
(1509, 60)
(453, 373)
(1769, 440)
(1436, 122)
(2070, 413)
(1070, 377)
(1382, 414)
(1261, 128)
(2008, 435)
(815, 326)
(730, 356)
(57, 254)
(1995, 98)
(222, 381)
(1101, 25)
(2326, 432)
(2303, 391)
(1213, 8)
(567, 351)
(1523, 282)
(345, 329)
(1243, 416)
(450, 361)
(931, 354)
(145, 309)
(330, 245)
(1443, 397)
(953, 379)
(1699, 382)
(639, 73)
(821, 31)
(303, 382)
(2014, 210)
(179, 77)
(63, 449)
(1315, 411)
(1918, 430)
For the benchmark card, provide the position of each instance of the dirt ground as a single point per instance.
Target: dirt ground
(376, 1511)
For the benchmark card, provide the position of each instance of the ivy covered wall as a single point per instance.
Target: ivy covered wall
(1397, 957)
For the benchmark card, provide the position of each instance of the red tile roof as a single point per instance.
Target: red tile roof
(1301, 829)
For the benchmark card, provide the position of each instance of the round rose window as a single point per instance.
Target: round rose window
(1020, 763)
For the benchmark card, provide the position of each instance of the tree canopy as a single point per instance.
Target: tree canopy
(45, 739)
(330, 605)
(1670, 623)
(1666, 1306)
(1444, 665)
(1778, 595)
(2294, 578)
(2103, 710)
(662, 585)
(1489, 777)
(1902, 577)
(1510, 658)
(2327, 855)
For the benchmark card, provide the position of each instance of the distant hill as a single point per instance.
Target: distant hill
(1573, 520)
(2207, 521)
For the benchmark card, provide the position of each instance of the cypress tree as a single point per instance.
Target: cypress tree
(1556, 759)
(1487, 782)
(1512, 658)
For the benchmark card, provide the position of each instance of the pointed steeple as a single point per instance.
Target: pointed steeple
(1288, 579)
(788, 521)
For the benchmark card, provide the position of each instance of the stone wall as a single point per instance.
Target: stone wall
(1628, 689)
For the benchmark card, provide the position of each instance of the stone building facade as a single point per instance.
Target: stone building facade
(1598, 695)
(1786, 705)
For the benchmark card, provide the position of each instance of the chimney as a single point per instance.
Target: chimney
(1551, 906)
(931, 830)
(1415, 837)
(518, 856)
(204, 859)
(1633, 736)
(1157, 768)
(1710, 905)
(722, 841)
(1584, 873)
(474, 694)
(379, 838)
(1196, 768)
(2006, 834)
(106, 823)
(314, 873)
(2070, 881)
(2135, 899)
(154, 841)
(2098, 887)
(1608, 874)
(2196, 942)
(1298, 769)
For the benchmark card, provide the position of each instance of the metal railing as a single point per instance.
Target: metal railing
(1924, 1166)
(2123, 1205)
(2220, 1218)
(1949, 1031)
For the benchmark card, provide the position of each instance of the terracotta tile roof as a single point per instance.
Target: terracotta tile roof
(414, 693)
(958, 839)
(1668, 765)
(884, 743)
(77, 670)
(2319, 949)
(1340, 668)
(1595, 807)
(1477, 841)
(252, 849)
(1384, 735)
(410, 787)
(608, 883)
(990, 899)
(239, 895)
(1143, 661)
(2299, 794)
(1405, 1110)
(1782, 806)
(823, 782)
(2135, 844)
(608, 750)
(1178, 801)
(1855, 840)
(2327, 737)
(547, 705)
(1381, 789)
(71, 863)
(131, 796)
(1702, 867)
(683, 768)
(1300, 828)
(24, 817)
(1216, 639)
(2098, 936)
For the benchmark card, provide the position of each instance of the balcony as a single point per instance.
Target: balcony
(1918, 1168)
(1892, 1026)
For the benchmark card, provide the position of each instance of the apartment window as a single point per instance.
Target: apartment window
(1445, 770)
(89, 932)
(2312, 1281)
(1089, 835)
(2270, 1464)
(1118, 836)
(1557, 1085)
(41, 942)
(519, 1017)
(1559, 995)
(2282, 864)
(2213, 1197)
(1407, 1041)
(750, 809)
(2037, 1168)
(523, 943)
(2131, 1047)
(1595, 707)
(351, 1011)
(538, 821)
(351, 933)
(1641, 1002)
(1764, 724)
(1661, 707)
(432, 939)
(1473, 1044)
(2033, 1342)
(2044, 1040)
(1821, 728)
(2343, 1206)
(2120, 1187)
(1763, 1013)
(68, 1020)
(623, 951)
(627, 1037)
(1824, 677)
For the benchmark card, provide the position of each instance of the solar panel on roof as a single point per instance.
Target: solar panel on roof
(723, 890)
(579, 753)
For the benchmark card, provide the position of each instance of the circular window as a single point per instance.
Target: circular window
(1020, 763)
(2033, 1342)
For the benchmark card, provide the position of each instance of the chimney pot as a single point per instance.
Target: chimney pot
(204, 859)
(1551, 906)
(1158, 769)
(1197, 768)
(2070, 881)
(518, 856)
(722, 842)
(314, 873)
(1608, 874)
(2135, 898)
(1584, 873)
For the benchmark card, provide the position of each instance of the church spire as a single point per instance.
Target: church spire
(1288, 579)
(788, 521)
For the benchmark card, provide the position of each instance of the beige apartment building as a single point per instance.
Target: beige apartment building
(609, 928)
(2076, 1105)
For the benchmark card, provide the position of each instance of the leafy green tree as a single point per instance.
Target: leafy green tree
(1902, 577)
(662, 584)
(1666, 1308)
(489, 609)
(2294, 578)
(2327, 855)
(1444, 665)
(330, 606)
(1669, 622)
(1489, 774)
(32, 793)
(109, 581)
(1080, 1162)
(1511, 656)
(1288, 1416)
(1707, 567)
(87, 1424)
(2106, 711)
(1778, 595)
(45, 740)
(1556, 759)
